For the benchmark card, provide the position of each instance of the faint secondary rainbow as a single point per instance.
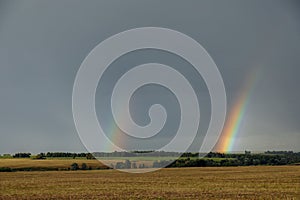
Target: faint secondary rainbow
(235, 117)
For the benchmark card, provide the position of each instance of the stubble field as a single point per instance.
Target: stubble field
(261, 182)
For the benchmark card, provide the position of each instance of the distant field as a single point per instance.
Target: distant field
(260, 182)
(17, 163)
(62, 163)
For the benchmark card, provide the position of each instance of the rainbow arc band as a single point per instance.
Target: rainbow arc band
(236, 115)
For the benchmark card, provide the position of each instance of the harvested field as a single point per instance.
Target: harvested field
(260, 182)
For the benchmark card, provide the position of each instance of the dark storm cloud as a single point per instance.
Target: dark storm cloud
(42, 44)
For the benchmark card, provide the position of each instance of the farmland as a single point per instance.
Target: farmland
(51, 164)
(253, 182)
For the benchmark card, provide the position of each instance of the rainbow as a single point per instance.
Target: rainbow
(235, 117)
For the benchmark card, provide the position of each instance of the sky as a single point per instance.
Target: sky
(43, 43)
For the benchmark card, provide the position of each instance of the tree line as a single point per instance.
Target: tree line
(226, 160)
(51, 155)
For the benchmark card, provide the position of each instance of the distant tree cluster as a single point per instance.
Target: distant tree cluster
(53, 155)
(189, 155)
(128, 165)
(65, 154)
(136, 154)
(40, 156)
(279, 152)
(84, 166)
(246, 159)
(22, 155)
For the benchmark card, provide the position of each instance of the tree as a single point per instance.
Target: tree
(142, 165)
(40, 156)
(22, 155)
(84, 166)
(120, 165)
(247, 152)
(134, 165)
(89, 156)
(127, 164)
(156, 164)
(74, 166)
